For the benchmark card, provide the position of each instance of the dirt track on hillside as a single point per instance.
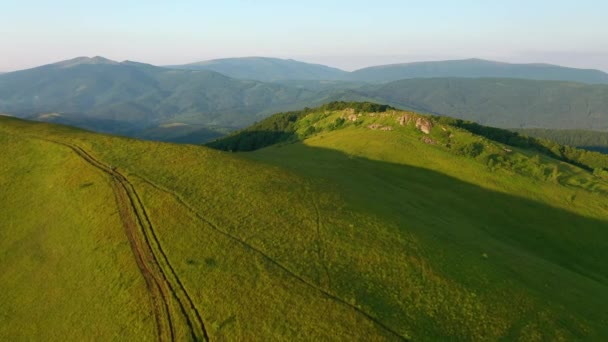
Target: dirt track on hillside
(163, 284)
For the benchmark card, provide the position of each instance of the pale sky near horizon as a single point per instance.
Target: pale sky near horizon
(347, 34)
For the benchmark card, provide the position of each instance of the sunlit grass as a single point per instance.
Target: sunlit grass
(303, 240)
(67, 270)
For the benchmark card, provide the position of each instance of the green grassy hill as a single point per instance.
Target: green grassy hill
(352, 213)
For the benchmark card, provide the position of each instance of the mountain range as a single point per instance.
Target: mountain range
(97, 92)
(477, 68)
(183, 105)
(274, 69)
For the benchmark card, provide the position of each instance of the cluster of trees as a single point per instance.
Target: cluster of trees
(358, 107)
(272, 130)
(588, 160)
(588, 140)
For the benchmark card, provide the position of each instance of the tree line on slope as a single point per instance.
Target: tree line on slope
(588, 140)
(589, 160)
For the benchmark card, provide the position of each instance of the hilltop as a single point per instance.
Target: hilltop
(375, 223)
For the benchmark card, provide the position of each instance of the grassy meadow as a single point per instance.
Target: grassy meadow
(345, 233)
(67, 269)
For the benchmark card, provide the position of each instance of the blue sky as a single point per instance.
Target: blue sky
(346, 34)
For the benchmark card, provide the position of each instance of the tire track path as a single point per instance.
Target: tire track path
(161, 279)
(158, 293)
(320, 243)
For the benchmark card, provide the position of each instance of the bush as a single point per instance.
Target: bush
(310, 130)
(359, 107)
(472, 150)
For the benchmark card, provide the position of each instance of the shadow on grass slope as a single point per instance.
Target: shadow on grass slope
(507, 250)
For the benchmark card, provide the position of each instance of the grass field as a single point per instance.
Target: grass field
(349, 233)
(67, 269)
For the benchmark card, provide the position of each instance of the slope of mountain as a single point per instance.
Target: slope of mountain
(376, 224)
(589, 140)
(182, 133)
(475, 68)
(138, 95)
(267, 69)
(506, 103)
(321, 85)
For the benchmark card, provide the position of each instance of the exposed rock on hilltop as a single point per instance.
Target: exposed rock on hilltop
(424, 125)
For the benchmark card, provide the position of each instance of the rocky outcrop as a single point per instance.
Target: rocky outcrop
(350, 114)
(424, 125)
(377, 126)
(429, 141)
(404, 119)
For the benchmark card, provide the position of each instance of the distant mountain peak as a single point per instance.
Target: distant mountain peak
(84, 60)
(244, 60)
(266, 69)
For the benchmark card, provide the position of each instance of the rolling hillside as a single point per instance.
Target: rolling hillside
(376, 224)
(478, 68)
(267, 69)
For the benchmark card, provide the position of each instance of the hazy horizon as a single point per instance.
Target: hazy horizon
(344, 34)
(354, 63)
